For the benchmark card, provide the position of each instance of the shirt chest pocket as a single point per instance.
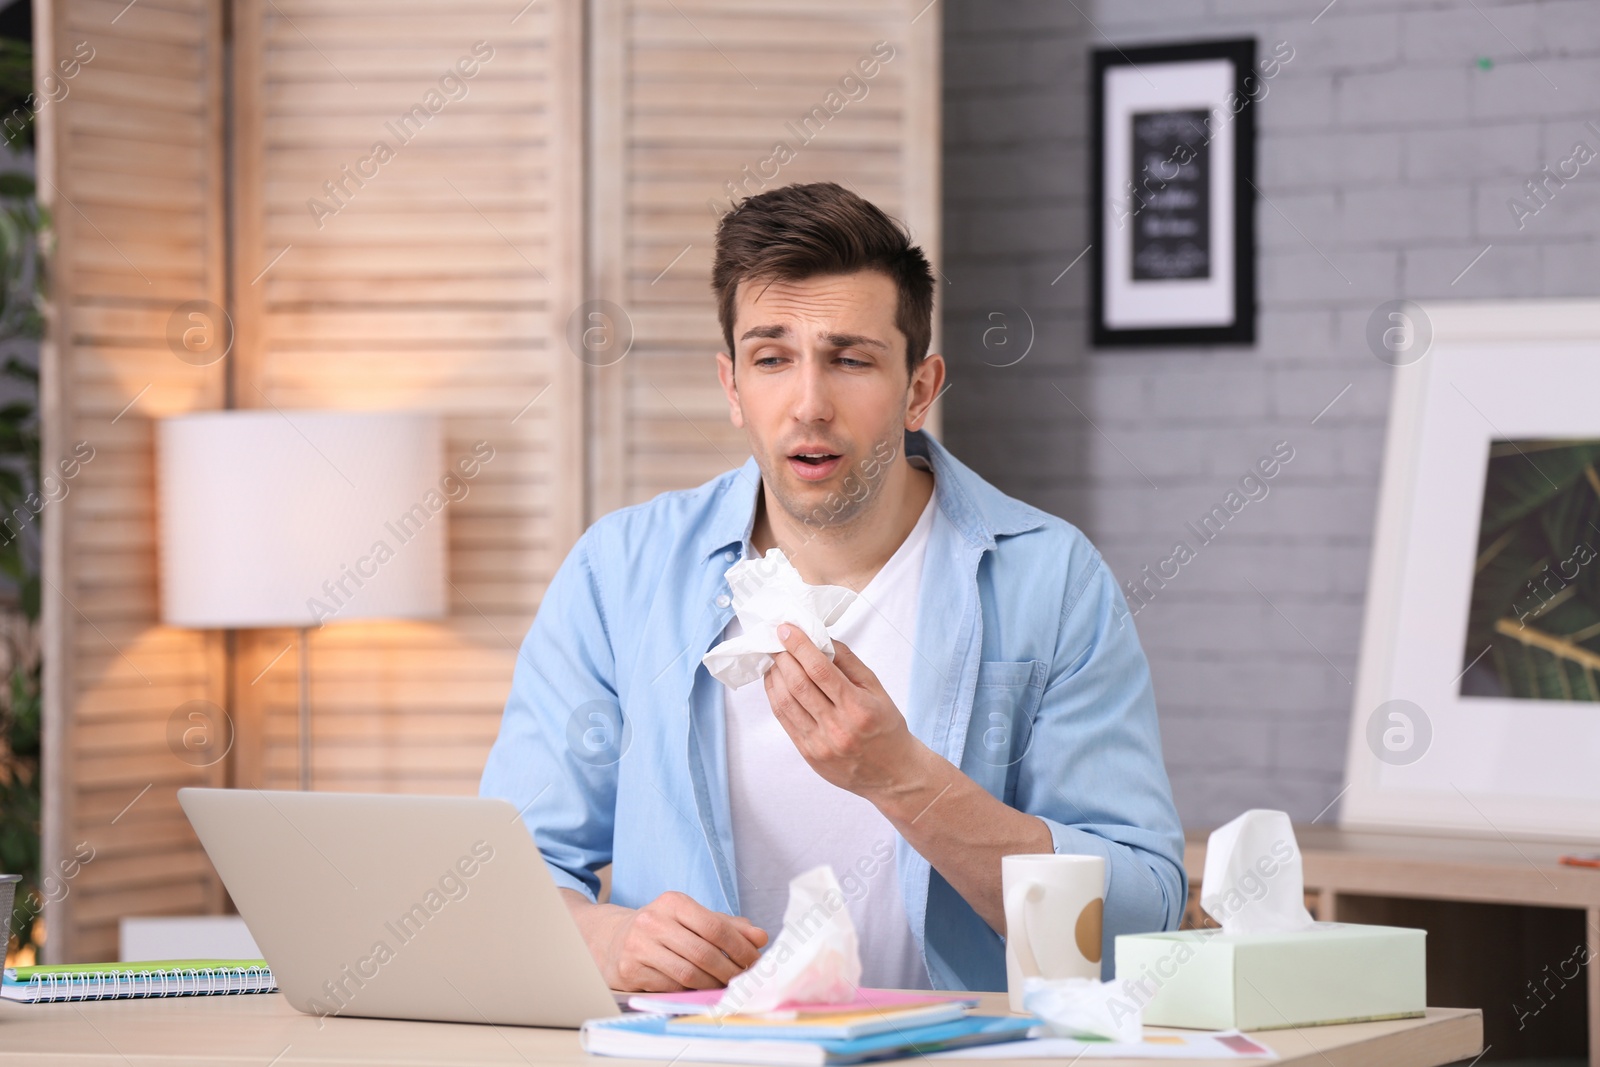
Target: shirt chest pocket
(1000, 731)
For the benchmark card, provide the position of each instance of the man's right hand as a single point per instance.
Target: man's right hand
(671, 944)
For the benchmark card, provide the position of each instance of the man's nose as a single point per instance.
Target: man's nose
(812, 402)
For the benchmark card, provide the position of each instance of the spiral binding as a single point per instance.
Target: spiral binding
(124, 985)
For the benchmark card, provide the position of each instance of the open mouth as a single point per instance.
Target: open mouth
(814, 465)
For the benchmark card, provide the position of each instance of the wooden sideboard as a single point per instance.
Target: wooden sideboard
(1510, 930)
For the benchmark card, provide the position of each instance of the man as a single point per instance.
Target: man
(986, 696)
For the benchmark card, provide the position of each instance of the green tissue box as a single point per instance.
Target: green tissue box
(1332, 973)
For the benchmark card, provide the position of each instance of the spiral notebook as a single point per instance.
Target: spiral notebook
(126, 981)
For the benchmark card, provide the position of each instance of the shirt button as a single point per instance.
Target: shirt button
(723, 601)
(730, 556)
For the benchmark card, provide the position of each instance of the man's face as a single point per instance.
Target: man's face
(817, 379)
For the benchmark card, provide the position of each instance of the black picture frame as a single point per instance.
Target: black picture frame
(1246, 89)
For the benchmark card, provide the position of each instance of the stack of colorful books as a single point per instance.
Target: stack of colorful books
(878, 1024)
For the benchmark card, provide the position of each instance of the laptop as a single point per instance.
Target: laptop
(401, 907)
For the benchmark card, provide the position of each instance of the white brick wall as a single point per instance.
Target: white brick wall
(1393, 153)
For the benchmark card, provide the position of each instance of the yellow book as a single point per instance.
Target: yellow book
(821, 1026)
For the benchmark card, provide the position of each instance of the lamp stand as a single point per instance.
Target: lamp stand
(305, 711)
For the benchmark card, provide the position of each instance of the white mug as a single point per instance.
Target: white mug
(1055, 910)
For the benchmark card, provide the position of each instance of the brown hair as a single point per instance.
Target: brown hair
(801, 231)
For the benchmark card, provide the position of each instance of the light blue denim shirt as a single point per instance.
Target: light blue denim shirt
(1029, 676)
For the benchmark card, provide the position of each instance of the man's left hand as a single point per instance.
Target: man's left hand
(840, 718)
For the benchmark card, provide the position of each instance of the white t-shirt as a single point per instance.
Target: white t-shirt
(787, 818)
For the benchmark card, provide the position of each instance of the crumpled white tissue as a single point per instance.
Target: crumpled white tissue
(816, 959)
(1253, 882)
(767, 592)
(1083, 1008)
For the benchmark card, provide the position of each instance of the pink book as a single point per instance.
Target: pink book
(694, 1001)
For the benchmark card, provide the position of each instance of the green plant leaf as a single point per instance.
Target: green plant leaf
(1530, 672)
(24, 273)
(17, 186)
(1524, 475)
(1500, 589)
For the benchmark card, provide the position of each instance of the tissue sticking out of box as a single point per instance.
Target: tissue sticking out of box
(816, 959)
(1253, 882)
(767, 592)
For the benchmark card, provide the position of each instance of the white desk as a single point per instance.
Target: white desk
(263, 1031)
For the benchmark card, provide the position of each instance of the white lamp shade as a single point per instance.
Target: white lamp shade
(297, 518)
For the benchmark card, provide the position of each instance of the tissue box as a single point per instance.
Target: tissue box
(1331, 973)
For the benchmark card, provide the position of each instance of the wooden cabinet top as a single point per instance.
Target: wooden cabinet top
(1435, 866)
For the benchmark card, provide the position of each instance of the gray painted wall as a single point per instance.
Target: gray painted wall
(1389, 147)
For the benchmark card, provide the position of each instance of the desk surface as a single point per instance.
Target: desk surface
(263, 1031)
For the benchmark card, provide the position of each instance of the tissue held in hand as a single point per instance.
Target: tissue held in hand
(766, 592)
(1253, 883)
(815, 960)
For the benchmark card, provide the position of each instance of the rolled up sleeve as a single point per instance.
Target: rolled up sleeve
(562, 734)
(1094, 772)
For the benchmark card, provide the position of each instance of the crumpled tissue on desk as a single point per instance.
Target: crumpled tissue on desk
(816, 959)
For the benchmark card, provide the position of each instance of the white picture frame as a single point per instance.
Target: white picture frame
(1483, 766)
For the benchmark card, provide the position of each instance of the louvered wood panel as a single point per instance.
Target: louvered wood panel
(440, 278)
(130, 167)
(688, 93)
(445, 280)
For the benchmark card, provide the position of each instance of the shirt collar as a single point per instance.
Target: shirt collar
(977, 510)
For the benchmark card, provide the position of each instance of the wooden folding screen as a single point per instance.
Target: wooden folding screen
(130, 166)
(403, 204)
(699, 101)
(407, 175)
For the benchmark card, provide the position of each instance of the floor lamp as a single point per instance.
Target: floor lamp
(300, 519)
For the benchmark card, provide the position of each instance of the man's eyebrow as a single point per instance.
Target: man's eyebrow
(836, 340)
(853, 340)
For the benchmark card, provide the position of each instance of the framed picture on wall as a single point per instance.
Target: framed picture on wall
(1477, 696)
(1172, 184)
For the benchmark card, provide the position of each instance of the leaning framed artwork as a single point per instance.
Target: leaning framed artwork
(1477, 698)
(1172, 184)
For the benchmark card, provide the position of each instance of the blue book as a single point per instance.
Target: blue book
(648, 1037)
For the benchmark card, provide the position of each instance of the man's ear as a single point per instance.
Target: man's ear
(926, 384)
(730, 389)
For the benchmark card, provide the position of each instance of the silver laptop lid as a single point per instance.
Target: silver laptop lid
(401, 907)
